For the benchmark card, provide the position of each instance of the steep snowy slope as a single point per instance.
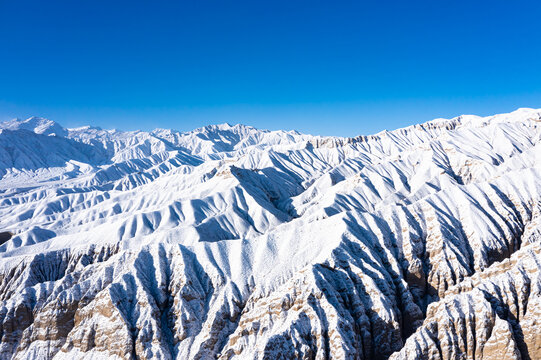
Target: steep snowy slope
(232, 242)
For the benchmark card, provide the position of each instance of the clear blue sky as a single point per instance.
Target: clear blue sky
(322, 67)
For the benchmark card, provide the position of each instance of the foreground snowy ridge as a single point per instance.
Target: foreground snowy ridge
(236, 243)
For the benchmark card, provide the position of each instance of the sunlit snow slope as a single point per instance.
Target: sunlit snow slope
(231, 242)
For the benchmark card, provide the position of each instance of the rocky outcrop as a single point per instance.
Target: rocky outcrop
(492, 315)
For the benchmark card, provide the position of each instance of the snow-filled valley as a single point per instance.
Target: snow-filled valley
(231, 242)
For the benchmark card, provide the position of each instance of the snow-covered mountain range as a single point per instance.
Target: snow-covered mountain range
(231, 242)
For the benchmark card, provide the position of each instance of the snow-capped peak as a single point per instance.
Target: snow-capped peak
(36, 124)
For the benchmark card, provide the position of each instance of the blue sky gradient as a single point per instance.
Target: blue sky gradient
(321, 67)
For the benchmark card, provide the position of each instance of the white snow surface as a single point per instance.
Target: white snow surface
(257, 209)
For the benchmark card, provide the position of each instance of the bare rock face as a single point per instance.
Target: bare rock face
(230, 242)
(492, 315)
